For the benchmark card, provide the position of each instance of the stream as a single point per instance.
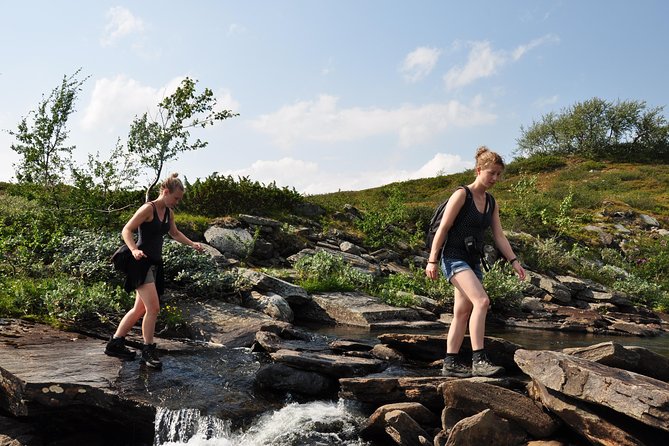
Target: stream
(205, 394)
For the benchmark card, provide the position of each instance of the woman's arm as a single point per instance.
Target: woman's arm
(503, 244)
(144, 213)
(455, 203)
(180, 237)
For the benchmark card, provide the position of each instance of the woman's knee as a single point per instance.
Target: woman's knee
(481, 303)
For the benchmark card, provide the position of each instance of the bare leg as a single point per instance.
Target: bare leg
(462, 308)
(470, 287)
(149, 296)
(131, 317)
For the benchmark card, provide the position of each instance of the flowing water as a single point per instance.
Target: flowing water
(315, 424)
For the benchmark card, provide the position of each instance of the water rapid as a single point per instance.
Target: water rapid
(316, 423)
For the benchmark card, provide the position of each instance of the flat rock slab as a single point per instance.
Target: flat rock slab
(327, 364)
(362, 310)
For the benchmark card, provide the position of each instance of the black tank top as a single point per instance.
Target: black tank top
(470, 222)
(151, 235)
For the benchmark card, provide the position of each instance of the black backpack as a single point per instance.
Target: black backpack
(437, 216)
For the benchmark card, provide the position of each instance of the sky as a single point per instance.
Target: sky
(331, 94)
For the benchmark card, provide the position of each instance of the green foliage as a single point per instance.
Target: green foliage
(381, 225)
(86, 255)
(398, 289)
(502, 286)
(598, 129)
(219, 195)
(156, 141)
(328, 272)
(41, 140)
(61, 298)
(535, 164)
(195, 273)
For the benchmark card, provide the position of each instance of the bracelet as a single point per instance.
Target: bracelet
(432, 262)
(515, 259)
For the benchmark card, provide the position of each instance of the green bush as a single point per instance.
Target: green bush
(86, 255)
(324, 271)
(503, 287)
(535, 164)
(195, 273)
(395, 287)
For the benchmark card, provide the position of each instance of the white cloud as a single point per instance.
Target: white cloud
(483, 61)
(419, 63)
(323, 121)
(236, 28)
(225, 101)
(121, 22)
(307, 177)
(522, 49)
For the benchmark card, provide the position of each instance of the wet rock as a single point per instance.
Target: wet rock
(327, 364)
(404, 430)
(640, 397)
(485, 428)
(385, 353)
(374, 427)
(582, 420)
(351, 345)
(283, 378)
(272, 342)
(472, 397)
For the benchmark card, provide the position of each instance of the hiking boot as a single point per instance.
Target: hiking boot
(116, 347)
(481, 365)
(455, 368)
(150, 356)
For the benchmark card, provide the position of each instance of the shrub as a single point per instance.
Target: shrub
(535, 164)
(395, 287)
(324, 271)
(86, 255)
(502, 286)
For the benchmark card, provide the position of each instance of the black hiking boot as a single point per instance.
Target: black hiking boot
(454, 367)
(481, 365)
(116, 347)
(150, 357)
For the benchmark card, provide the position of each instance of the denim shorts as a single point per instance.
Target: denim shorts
(451, 267)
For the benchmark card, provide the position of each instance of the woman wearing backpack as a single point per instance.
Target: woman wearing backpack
(468, 213)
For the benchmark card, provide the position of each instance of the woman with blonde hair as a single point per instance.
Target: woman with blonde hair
(457, 248)
(144, 272)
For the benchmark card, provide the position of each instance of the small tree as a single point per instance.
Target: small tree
(42, 134)
(158, 140)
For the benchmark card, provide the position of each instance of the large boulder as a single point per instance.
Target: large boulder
(234, 242)
(293, 294)
(485, 428)
(640, 397)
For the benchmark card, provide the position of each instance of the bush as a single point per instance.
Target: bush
(393, 289)
(535, 164)
(328, 272)
(502, 286)
(86, 255)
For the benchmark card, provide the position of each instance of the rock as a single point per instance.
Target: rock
(294, 295)
(375, 424)
(273, 305)
(431, 348)
(385, 353)
(648, 221)
(573, 283)
(380, 391)
(472, 397)
(331, 365)
(531, 304)
(225, 324)
(272, 342)
(282, 378)
(640, 397)
(17, 433)
(359, 309)
(346, 345)
(259, 221)
(350, 248)
(485, 428)
(634, 359)
(405, 431)
(577, 416)
(235, 242)
(557, 292)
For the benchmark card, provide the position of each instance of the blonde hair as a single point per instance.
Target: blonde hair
(486, 158)
(172, 183)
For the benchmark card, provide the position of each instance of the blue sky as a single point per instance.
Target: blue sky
(332, 95)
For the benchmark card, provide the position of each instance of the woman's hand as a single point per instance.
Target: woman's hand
(197, 247)
(137, 253)
(432, 271)
(519, 269)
